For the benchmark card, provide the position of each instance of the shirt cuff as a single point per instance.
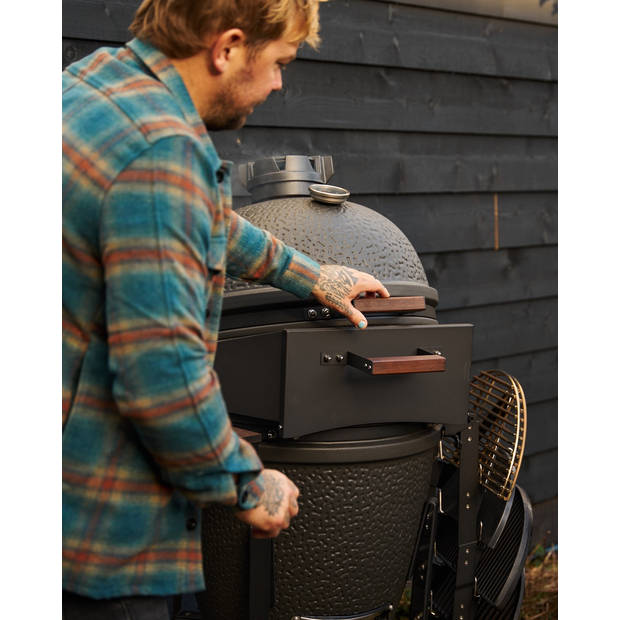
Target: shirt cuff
(301, 275)
(251, 489)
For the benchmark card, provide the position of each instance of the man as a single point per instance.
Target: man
(148, 235)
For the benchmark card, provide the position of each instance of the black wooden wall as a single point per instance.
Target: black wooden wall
(445, 122)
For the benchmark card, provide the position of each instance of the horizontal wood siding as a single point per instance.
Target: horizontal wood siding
(405, 100)
(446, 123)
(393, 162)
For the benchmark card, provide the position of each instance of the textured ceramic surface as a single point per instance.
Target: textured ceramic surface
(347, 552)
(347, 234)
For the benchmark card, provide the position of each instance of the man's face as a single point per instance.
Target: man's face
(249, 84)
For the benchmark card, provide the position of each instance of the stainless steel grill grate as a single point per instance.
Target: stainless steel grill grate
(497, 401)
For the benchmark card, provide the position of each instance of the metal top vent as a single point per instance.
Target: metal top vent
(288, 175)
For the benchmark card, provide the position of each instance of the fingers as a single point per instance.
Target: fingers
(338, 286)
(271, 525)
(356, 317)
(366, 284)
(369, 284)
(294, 507)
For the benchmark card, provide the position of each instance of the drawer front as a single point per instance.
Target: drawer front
(328, 384)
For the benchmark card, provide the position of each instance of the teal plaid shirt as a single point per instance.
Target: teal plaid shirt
(148, 235)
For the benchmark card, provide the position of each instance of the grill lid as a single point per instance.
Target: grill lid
(294, 202)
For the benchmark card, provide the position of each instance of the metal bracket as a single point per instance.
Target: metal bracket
(380, 613)
(272, 433)
(359, 362)
(422, 564)
(469, 504)
(261, 592)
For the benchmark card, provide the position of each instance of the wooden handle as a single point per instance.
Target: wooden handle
(249, 436)
(397, 364)
(407, 363)
(389, 304)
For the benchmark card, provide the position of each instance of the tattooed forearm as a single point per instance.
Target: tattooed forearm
(273, 494)
(336, 282)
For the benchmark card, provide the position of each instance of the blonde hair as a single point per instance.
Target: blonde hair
(179, 28)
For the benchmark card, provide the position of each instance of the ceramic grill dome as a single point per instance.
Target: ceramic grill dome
(341, 232)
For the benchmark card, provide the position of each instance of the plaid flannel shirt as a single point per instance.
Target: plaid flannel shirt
(148, 235)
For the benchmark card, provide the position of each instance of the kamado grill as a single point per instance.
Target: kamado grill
(406, 469)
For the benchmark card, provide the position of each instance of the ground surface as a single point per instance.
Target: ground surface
(540, 601)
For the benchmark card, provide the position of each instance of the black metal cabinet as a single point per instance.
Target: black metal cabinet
(304, 380)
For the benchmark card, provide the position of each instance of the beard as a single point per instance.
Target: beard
(229, 110)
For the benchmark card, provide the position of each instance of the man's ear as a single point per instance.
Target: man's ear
(226, 48)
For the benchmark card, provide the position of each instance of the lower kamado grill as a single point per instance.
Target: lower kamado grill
(398, 473)
(334, 560)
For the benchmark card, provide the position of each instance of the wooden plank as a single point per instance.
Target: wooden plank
(340, 96)
(542, 427)
(537, 372)
(75, 49)
(539, 475)
(538, 11)
(367, 32)
(394, 35)
(377, 162)
(449, 222)
(101, 20)
(466, 279)
(510, 328)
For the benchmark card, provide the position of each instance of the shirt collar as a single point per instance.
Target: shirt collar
(159, 64)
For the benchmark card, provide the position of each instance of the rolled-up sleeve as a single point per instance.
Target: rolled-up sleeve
(156, 226)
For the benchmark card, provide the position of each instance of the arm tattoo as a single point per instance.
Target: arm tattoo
(273, 495)
(336, 283)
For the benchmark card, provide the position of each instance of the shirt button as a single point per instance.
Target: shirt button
(219, 175)
(191, 524)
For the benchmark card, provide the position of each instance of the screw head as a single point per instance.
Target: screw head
(325, 312)
(339, 358)
(312, 313)
(327, 358)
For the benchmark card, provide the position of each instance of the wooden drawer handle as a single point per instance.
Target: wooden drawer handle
(250, 436)
(390, 304)
(397, 364)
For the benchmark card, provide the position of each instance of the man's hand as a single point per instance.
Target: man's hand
(276, 507)
(338, 286)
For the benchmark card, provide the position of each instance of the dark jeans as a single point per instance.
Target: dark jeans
(75, 607)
